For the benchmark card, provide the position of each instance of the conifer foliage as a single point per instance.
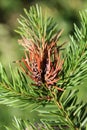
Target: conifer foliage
(47, 73)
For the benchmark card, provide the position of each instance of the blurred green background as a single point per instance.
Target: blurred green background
(65, 12)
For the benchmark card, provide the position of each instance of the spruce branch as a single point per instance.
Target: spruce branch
(19, 124)
(34, 26)
(75, 65)
(45, 83)
(16, 91)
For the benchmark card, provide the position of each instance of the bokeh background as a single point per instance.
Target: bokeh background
(65, 12)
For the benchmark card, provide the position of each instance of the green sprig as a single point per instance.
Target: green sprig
(62, 110)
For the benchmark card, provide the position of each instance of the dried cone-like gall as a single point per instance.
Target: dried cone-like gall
(42, 63)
